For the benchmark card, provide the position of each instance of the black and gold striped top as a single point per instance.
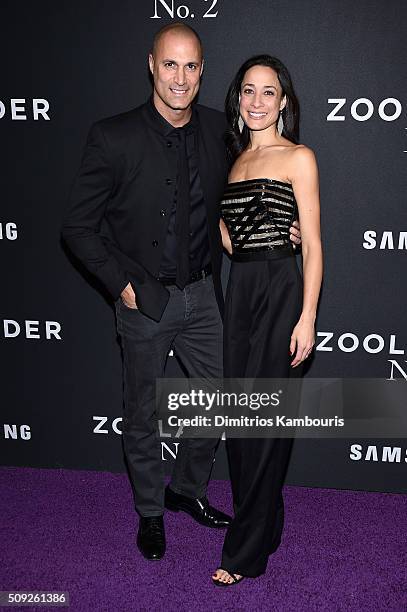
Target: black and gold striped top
(258, 214)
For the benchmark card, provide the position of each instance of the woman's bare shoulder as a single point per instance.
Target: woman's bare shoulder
(301, 152)
(302, 158)
(302, 163)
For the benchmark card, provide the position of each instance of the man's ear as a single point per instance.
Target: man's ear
(283, 103)
(202, 67)
(151, 63)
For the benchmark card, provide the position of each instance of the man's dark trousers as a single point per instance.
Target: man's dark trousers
(192, 325)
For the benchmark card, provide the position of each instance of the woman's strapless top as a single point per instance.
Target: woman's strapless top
(258, 214)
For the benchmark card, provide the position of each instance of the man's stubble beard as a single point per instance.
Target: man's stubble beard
(176, 108)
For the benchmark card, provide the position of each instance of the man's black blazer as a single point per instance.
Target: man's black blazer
(119, 206)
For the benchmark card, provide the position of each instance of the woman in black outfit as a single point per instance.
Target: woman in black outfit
(270, 312)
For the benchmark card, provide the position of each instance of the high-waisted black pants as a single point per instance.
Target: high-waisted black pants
(263, 305)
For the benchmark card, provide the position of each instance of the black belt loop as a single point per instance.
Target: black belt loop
(193, 277)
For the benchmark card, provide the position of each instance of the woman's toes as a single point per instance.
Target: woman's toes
(224, 576)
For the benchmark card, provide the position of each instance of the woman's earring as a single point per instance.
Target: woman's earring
(280, 124)
(240, 121)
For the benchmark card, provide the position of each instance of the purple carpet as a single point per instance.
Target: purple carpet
(74, 531)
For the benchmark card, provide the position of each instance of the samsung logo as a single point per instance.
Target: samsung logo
(8, 231)
(385, 240)
(16, 432)
(384, 454)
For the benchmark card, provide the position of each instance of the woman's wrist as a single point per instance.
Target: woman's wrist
(308, 317)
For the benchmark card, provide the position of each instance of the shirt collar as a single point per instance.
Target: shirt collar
(164, 127)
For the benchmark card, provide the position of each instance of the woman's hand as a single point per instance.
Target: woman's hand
(302, 341)
(295, 234)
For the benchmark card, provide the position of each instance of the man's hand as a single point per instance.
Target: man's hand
(129, 297)
(295, 233)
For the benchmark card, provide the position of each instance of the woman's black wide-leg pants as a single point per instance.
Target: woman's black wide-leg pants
(263, 305)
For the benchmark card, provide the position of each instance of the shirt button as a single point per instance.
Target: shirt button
(168, 181)
(169, 144)
(155, 243)
(162, 212)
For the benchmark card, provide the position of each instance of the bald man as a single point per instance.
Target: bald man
(144, 219)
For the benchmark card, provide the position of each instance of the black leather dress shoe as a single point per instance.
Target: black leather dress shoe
(199, 509)
(151, 537)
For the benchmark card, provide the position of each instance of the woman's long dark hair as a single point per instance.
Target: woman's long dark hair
(237, 141)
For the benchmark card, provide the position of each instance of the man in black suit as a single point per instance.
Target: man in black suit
(144, 219)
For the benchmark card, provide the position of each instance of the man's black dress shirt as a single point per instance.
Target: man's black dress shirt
(199, 255)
